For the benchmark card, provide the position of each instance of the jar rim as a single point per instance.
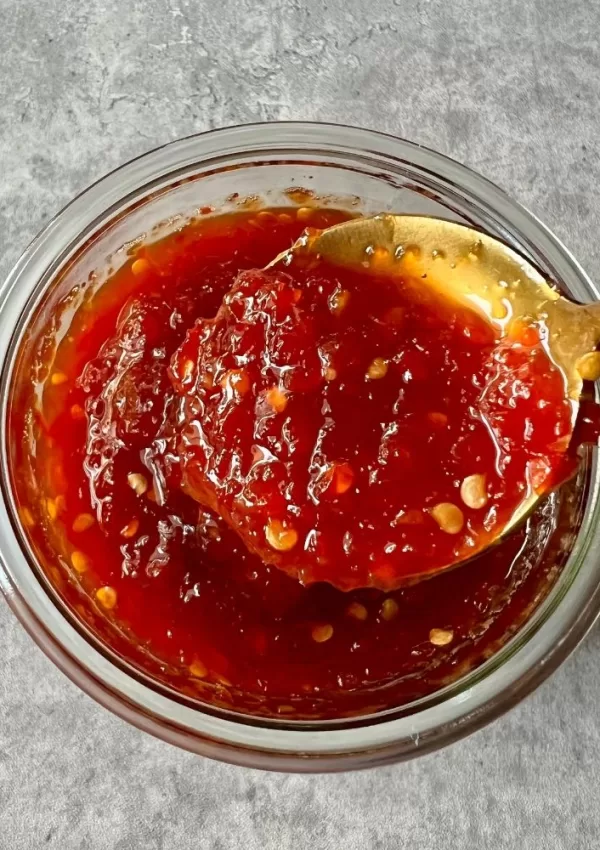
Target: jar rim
(539, 646)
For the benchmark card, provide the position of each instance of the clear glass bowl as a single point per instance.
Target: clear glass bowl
(155, 193)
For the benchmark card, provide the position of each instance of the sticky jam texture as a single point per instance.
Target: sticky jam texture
(358, 429)
(199, 439)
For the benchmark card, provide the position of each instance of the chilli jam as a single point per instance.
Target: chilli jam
(233, 476)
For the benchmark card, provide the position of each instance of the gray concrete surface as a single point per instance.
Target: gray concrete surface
(510, 87)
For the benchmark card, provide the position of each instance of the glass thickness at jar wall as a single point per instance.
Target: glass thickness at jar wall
(99, 493)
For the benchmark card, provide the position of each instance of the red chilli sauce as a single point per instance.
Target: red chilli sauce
(236, 478)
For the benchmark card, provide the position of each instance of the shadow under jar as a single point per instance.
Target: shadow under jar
(164, 617)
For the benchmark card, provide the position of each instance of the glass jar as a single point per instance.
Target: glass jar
(150, 196)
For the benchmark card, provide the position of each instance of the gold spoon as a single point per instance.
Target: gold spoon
(476, 270)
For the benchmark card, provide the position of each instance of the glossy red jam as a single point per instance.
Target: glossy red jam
(109, 476)
(355, 429)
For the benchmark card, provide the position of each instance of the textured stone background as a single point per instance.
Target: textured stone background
(510, 87)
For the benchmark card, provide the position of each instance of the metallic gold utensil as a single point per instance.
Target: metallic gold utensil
(476, 270)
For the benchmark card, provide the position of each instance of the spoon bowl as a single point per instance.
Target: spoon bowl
(478, 271)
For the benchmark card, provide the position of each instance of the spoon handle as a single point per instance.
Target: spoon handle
(574, 336)
(592, 314)
(581, 323)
